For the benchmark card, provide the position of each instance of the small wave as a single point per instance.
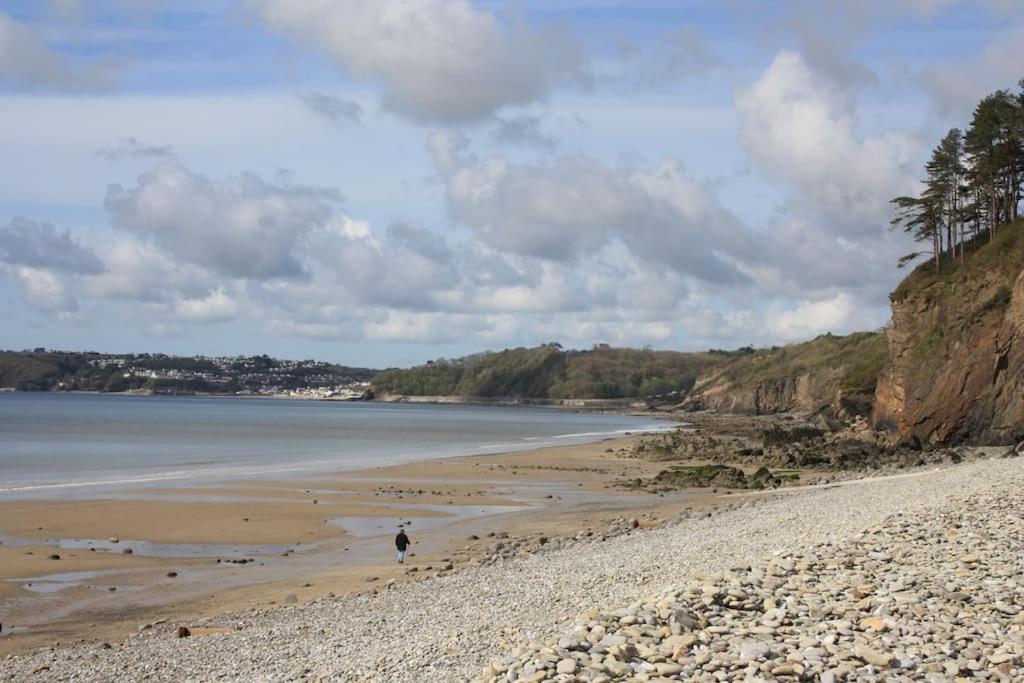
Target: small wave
(618, 432)
(175, 475)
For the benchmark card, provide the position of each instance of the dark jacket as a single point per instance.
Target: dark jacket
(401, 541)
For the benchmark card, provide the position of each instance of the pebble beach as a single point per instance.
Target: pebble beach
(909, 577)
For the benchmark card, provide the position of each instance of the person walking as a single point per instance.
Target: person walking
(401, 542)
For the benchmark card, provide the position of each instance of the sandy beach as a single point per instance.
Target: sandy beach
(142, 555)
(753, 589)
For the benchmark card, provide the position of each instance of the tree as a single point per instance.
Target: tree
(972, 178)
(993, 148)
(920, 217)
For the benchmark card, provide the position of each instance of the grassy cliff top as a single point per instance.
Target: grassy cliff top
(860, 356)
(1001, 257)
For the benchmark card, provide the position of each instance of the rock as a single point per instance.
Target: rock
(754, 650)
(566, 666)
(54, 557)
(876, 623)
(872, 657)
(172, 574)
(291, 599)
(127, 551)
(686, 620)
(788, 669)
(183, 632)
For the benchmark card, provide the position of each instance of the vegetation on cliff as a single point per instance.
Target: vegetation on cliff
(860, 357)
(549, 372)
(830, 371)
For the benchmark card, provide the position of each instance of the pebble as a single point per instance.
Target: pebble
(797, 571)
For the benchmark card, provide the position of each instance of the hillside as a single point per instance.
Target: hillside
(549, 372)
(956, 346)
(42, 370)
(828, 372)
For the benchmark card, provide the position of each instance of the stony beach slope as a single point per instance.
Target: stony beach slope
(911, 577)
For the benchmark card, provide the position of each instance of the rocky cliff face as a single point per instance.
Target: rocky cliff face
(804, 393)
(829, 374)
(956, 368)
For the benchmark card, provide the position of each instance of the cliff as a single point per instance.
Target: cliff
(956, 349)
(830, 373)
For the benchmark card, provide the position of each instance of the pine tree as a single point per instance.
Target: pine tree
(972, 179)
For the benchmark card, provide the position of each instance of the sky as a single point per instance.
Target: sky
(382, 183)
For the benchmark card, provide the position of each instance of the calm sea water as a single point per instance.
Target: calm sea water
(81, 443)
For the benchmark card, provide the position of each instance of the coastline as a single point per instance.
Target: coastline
(597, 406)
(306, 537)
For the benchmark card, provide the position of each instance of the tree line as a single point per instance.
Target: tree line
(972, 183)
(550, 372)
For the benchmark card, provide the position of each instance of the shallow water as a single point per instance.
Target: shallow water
(78, 444)
(384, 524)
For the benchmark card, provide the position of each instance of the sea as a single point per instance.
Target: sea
(58, 444)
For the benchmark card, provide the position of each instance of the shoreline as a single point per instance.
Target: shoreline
(323, 462)
(624, 406)
(450, 626)
(298, 532)
(262, 544)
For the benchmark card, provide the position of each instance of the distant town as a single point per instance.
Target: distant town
(43, 369)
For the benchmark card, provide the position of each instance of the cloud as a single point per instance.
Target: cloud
(336, 111)
(26, 61)
(523, 129)
(140, 271)
(802, 129)
(215, 307)
(241, 227)
(827, 35)
(24, 242)
(45, 289)
(434, 60)
(811, 318)
(574, 206)
(956, 86)
(132, 148)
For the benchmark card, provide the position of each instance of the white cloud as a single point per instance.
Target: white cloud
(802, 129)
(215, 307)
(242, 227)
(140, 271)
(811, 318)
(435, 60)
(574, 206)
(45, 289)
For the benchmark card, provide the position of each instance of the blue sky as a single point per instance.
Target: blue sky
(383, 183)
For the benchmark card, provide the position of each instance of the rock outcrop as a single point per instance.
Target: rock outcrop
(830, 374)
(956, 347)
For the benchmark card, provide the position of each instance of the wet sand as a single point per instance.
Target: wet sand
(299, 549)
